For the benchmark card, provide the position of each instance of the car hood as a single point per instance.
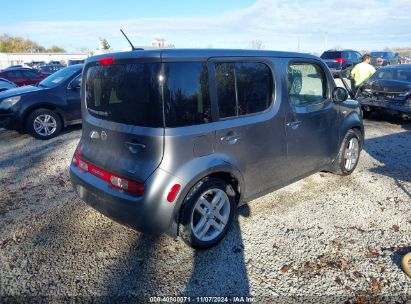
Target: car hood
(20, 91)
(387, 86)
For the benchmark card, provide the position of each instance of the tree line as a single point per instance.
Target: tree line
(15, 44)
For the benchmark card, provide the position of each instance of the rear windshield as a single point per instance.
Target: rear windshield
(125, 93)
(331, 55)
(393, 74)
(379, 54)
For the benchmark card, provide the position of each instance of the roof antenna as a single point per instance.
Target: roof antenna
(132, 46)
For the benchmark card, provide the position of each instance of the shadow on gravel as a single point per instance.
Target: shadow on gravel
(139, 274)
(221, 271)
(383, 117)
(397, 255)
(393, 151)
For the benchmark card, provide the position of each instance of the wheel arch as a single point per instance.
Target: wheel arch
(224, 171)
(38, 106)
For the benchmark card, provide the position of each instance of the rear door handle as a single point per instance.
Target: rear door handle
(231, 139)
(294, 124)
(134, 147)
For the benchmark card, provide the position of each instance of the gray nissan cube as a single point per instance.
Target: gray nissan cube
(174, 140)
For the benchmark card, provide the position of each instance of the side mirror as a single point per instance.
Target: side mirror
(340, 94)
(74, 85)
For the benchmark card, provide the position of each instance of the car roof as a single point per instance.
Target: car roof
(198, 54)
(396, 66)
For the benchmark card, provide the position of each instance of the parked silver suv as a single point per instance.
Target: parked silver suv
(174, 140)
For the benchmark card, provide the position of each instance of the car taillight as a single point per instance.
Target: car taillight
(106, 61)
(340, 60)
(113, 179)
(380, 60)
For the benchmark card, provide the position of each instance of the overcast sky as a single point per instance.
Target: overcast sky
(280, 25)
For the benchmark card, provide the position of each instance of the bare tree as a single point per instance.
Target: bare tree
(257, 44)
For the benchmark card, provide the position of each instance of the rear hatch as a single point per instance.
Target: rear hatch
(123, 129)
(333, 59)
(391, 90)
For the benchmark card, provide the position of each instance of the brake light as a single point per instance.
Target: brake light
(340, 60)
(113, 179)
(106, 61)
(173, 193)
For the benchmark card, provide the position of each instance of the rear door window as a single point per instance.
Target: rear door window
(243, 88)
(186, 94)
(125, 93)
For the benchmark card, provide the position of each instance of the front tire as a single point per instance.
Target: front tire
(349, 154)
(43, 124)
(207, 213)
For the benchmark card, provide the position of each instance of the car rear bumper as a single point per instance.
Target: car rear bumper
(148, 213)
(403, 107)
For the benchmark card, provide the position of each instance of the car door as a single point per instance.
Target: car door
(16, 77)
(73, 98)
(249, 131)
(312, 122)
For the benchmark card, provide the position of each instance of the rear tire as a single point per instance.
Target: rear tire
(43, 124)
(207, 213)
(349, 154)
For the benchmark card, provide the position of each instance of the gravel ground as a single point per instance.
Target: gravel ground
(323, 239)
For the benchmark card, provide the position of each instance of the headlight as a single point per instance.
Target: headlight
(9, 102)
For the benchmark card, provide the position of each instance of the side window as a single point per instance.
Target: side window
(225, 82)
(14, 74)
(307, 84)
(76, 82)
(29, 74)
(358, 56)
(186, 94)
(243, 88)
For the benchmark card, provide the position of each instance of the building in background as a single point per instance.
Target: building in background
(8, 59)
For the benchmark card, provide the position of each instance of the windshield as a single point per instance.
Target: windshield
(392, 74)
(59, 77)
(125, 93)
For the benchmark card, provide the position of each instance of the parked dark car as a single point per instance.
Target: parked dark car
(174, 140)
(389, 90)
(341, 60)
(43, 110)
(50, 69)
(6, 84)
(74, 61)
(384, 58)
(36, 64)
(22, 76)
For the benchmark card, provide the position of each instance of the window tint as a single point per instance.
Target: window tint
(186, 94)
(225, 82)
(331, 55)
(125, 93)
(30, 74)
(15, 74)
(243, 88)
(307, 84)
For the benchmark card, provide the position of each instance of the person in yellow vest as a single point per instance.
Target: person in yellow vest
(362, 71)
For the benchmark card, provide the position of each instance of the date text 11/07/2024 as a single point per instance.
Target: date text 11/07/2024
(183, 299)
